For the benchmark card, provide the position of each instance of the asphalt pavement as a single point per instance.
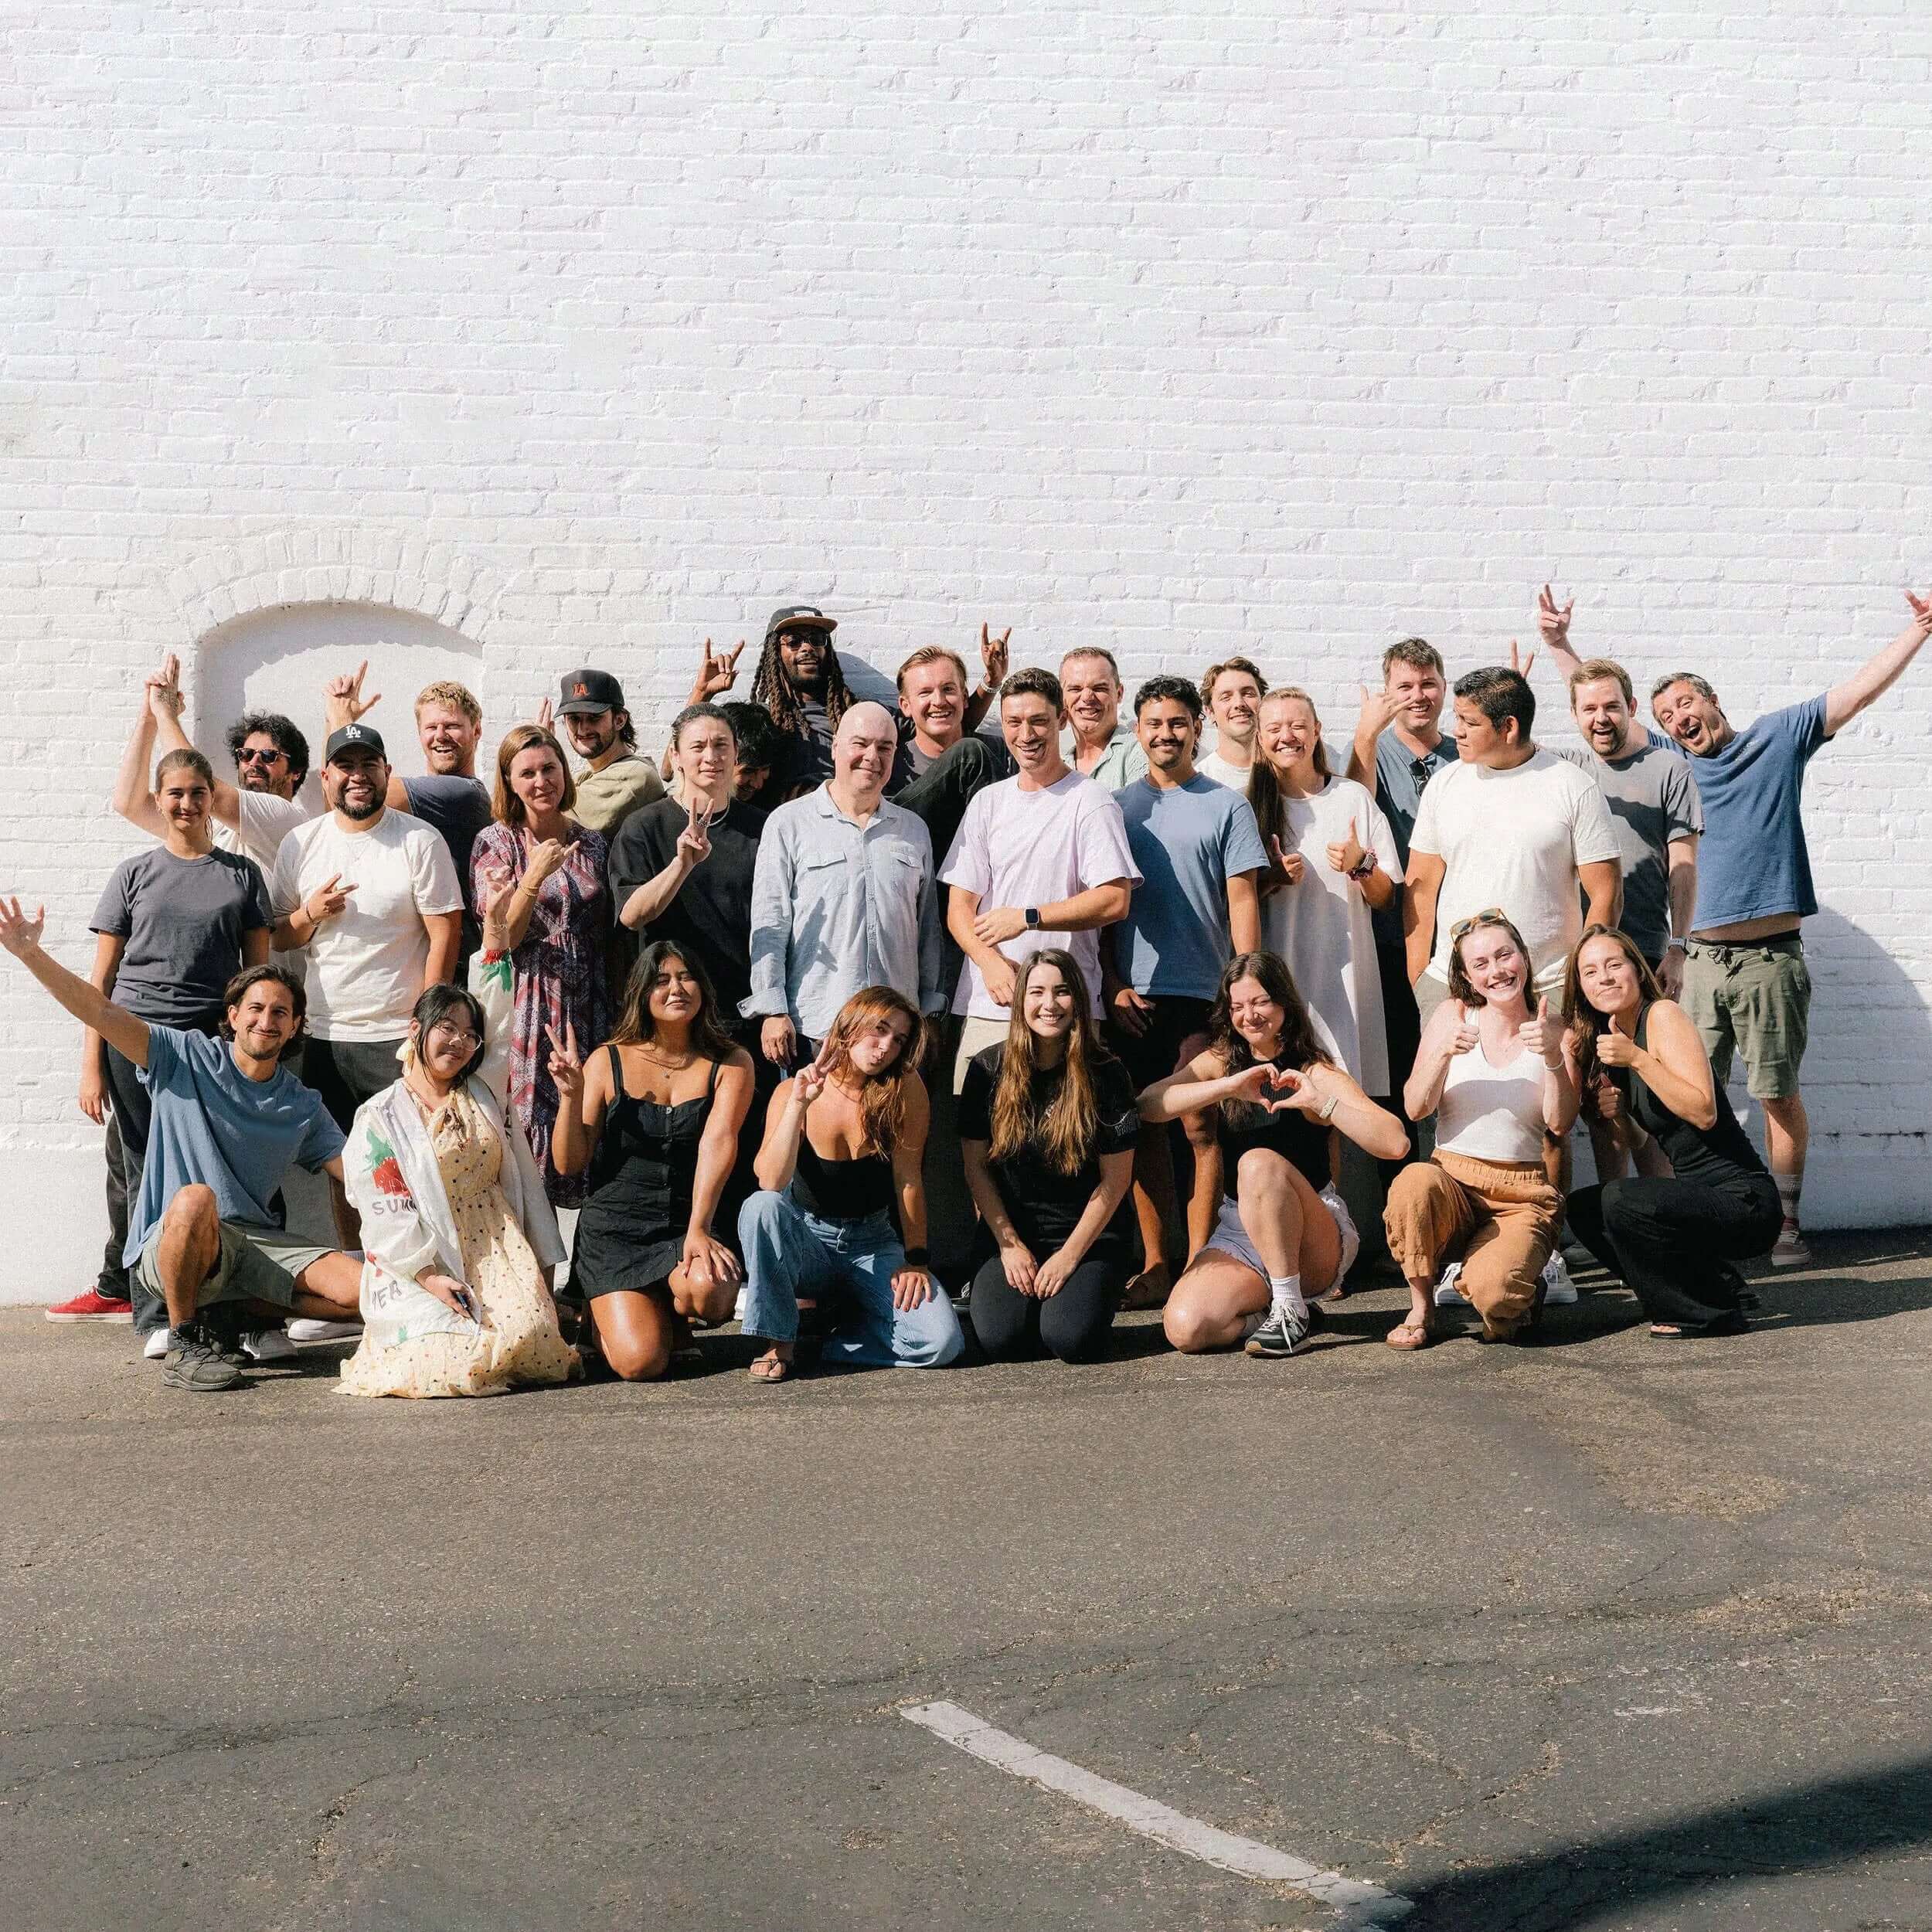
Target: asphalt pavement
(1600, 1632)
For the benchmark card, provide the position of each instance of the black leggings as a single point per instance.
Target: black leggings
(1072, 1324)
(1674, 1241)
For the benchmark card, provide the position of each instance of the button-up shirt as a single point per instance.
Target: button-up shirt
(837, 906)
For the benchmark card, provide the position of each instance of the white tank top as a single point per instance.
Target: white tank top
(1491, 1113)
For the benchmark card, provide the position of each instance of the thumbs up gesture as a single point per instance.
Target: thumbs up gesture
(1542, 1034)
(1467, 1033)
(1345, 854)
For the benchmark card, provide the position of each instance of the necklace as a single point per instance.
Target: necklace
(669, 1066)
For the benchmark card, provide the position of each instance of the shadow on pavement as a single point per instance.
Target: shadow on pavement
(1619, 1877)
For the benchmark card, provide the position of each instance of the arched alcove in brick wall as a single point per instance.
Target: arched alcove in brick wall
(278, 659)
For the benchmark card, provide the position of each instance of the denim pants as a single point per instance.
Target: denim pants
(846, 1266)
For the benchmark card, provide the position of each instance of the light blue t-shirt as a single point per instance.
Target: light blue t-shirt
(1188, 843)
(215, 1128)
(1753, 863)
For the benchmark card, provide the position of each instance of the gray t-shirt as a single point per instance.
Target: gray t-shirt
(458, 809)
(183, 921)
(1653, 799)
(1187, 842)
(215, 1128)
(1402, 775)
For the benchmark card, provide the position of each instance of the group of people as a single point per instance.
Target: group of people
(859, 976)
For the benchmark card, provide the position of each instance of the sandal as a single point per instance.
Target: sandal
(1419, 1333)
(770, 1369)
(1721, 1325)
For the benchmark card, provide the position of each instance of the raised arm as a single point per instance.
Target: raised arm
(1552, 626)
(133, 799)
(785, 1123)
(582, 1093)
(1450, 1031)
(20, 936)
(993, 656)
(1872, 680)
(1204, 1082)
(164, 703)
(1378, 713)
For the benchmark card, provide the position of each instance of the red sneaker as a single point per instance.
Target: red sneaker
(93, 1306)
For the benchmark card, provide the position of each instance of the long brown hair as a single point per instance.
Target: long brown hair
(506, 806)
(1586, 1025)
(1301, 1045)
(1065, 1131)
(637, 1025)
(881, 1097)
(1264, 786)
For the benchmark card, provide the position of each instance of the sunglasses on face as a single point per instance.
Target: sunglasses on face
(249, 756)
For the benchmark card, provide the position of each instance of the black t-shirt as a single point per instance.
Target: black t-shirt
(712, 913)
(1045, 1203)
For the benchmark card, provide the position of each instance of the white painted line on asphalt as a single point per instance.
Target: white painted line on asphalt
(1361, 1905)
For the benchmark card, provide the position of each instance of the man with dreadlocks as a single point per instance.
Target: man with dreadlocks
(800, 682)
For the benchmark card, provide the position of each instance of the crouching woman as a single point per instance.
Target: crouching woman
(459, 1242)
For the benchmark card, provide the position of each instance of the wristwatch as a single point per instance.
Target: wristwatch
(1678, 946)
(1033, 919)
(1367, 866)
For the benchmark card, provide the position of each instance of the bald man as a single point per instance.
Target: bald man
(843, 897)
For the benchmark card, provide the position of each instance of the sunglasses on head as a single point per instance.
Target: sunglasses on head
(1489, 915)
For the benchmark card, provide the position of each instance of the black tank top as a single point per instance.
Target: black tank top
(841, 1190)
(1719, 1155)
(1299, 1138)
(653, 1147)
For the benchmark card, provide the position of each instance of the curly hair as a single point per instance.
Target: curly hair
(285, 732)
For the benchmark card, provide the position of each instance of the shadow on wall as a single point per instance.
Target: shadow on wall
(279, 660)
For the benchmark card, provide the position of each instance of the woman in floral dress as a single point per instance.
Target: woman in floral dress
(549, 872)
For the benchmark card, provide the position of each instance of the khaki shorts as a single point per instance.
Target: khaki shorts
(255, 1264)
(975, 1035)
(1755, 998)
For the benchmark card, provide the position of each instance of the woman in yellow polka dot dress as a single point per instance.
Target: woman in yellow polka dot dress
(461, 1243)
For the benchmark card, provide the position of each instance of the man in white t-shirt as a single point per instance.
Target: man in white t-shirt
(1509, 825)
(1233, 691)
(1040, 859)
(369, 896)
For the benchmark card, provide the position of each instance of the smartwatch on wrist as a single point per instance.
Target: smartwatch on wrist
(1033, 919)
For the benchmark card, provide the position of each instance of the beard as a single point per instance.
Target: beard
(360, 811)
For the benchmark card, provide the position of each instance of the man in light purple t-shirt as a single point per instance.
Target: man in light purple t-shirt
(1040, 859)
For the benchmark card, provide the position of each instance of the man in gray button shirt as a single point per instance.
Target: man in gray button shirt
(842, 897)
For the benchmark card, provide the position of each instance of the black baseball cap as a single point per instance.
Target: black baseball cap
(590, 691)
(355, 737)
(801, 617)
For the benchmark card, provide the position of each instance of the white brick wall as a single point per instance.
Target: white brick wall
(586, 332)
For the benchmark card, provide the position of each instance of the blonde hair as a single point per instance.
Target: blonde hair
(458, 697)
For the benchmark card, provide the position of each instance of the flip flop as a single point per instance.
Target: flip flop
(1419, 1332)
(770, 1369)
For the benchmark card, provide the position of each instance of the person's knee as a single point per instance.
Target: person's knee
(194, 1210)
(1787, 1109)
(1068, 1333)
(1186, 1327)
(1262, 1171)
(761, 1221)
(941, 1342)
(698, 1294)
(637, 1357)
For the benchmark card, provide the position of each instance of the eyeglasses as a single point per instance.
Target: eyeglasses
(456, 1035)
(1489, 915)
(249, 755)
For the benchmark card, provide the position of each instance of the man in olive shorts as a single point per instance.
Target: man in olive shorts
(1746, 985)
(229, 1121)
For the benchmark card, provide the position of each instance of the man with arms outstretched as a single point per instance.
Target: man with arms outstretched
(228, 1121)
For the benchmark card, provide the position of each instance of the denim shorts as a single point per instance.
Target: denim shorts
(1231, 1237)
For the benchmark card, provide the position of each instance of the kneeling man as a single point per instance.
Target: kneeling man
(229, 1122)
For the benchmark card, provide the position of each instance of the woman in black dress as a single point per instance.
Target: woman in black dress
(1047, 1126)
(1642, 1065)
(654, 1115)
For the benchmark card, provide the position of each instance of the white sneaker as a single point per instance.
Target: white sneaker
(267, 1345)
(308, 1328)
(1448, 1295)
(1559, 1290)
(155, 1347)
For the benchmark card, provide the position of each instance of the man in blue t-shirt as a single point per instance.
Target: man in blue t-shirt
(229, 1121)
(1199, 854)
(1745, 983)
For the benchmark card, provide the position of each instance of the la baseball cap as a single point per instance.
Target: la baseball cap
(364, 737)
(590, 691)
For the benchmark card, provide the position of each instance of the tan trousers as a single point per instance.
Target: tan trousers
(1501, 1219)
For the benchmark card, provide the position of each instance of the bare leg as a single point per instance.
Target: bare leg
(1156, 1212)
(1211, 1303)
(698, 1295)
(1204, 1196)
(635, 1333)
(330, 1289)
(186, 1251)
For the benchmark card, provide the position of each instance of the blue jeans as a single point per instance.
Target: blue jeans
(847, 1267)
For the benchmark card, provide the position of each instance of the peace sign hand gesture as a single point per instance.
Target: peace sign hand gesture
(1345, 854)
(328, 900)
(810, 1081)
(993, 654)
(566, 1066)
(694, 842)
(717, 673)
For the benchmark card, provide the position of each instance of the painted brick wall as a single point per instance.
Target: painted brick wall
(590, 330)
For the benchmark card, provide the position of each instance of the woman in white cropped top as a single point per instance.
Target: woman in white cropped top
(1498, 1077)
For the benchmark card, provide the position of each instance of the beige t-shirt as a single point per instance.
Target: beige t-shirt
(606, 798)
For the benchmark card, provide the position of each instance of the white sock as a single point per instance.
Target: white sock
(1788, 1185)
(1285, 1292)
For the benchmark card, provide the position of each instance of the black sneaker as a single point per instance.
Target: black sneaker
(1279, 1335)
(195, 1363)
